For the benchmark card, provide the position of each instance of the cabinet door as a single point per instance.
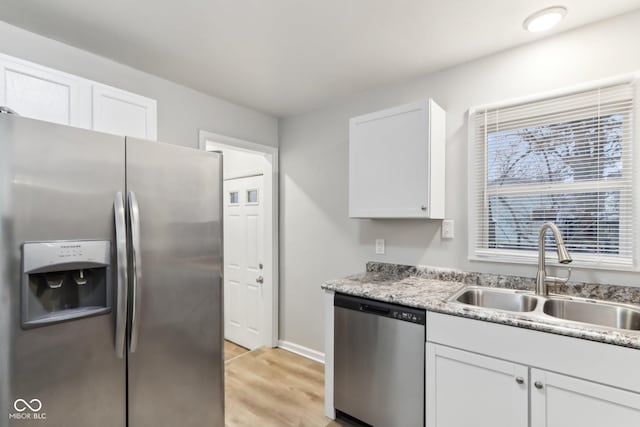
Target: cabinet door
(392, 163)
(123, 113)
(561, 401)
(465, 389)
(42, 93)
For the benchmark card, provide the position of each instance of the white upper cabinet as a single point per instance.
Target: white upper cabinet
(42, 93)
(123, 113)
(397, 162)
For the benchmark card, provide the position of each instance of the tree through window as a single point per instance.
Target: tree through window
(564, 159)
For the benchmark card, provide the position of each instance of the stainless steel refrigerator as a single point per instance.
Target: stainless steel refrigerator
(110, 280)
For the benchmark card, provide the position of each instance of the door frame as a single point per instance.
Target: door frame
(271, 215)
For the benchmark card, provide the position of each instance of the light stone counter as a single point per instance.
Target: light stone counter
(429, 288)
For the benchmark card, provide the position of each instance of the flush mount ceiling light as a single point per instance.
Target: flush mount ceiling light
(544, 19)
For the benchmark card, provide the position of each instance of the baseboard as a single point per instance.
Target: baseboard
(302, 351)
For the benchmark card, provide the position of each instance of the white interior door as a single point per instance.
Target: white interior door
(244, 295)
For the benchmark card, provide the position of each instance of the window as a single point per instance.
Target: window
(233, 197)
(252, 196)
(566, 159)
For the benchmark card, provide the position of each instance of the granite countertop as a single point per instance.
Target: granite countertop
(430, 288)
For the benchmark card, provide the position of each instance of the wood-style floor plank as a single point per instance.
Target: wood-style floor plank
(271, 387)
(232, 350)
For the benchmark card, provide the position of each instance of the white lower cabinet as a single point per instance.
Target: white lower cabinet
(483, 374)
(562, 401)
(465, 389)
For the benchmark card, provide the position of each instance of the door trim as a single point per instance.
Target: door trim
(271, 215)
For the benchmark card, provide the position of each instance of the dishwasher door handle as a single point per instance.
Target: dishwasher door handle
(374, 310)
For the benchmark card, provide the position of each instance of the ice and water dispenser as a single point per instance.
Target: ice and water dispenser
(65, 280)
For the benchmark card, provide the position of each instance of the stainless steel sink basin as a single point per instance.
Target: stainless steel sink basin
(595, 313)
(498, 299)
(552, 308)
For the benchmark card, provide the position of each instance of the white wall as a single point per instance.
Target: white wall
(319, 242)
(182, 112)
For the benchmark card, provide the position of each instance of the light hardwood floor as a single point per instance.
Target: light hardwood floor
(232, 350)
(272, 387)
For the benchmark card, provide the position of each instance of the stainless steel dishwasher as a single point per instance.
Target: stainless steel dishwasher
(379, 362)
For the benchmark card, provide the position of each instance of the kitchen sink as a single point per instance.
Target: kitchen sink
(551, 308)
(498, 299)
(595, 313)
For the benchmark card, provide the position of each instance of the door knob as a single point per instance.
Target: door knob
(520, 380)
(538, 384)
(260, 279)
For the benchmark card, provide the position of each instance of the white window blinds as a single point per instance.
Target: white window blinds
(566, 159)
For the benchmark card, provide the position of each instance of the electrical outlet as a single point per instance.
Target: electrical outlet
(380, 246)
(447, 229)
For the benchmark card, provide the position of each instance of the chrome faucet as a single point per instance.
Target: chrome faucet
(563, 258)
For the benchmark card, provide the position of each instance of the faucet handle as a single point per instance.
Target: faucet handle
(560, 280)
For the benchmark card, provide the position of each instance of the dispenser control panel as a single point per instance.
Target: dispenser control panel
(43, 255)
(70, 251)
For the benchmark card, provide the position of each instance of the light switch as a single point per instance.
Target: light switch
(447, 229)
(380, 246)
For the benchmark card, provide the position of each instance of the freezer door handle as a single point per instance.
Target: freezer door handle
(122, 284)
(136, 265)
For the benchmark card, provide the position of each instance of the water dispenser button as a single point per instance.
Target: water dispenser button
(80, 278)
(54, 280)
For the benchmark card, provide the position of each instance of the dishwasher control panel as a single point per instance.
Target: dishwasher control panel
(379, 308)
(408, 316)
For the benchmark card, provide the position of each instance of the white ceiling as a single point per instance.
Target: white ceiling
(289, 56)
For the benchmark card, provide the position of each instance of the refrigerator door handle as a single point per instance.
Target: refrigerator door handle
(122, 284)
(134, 215)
